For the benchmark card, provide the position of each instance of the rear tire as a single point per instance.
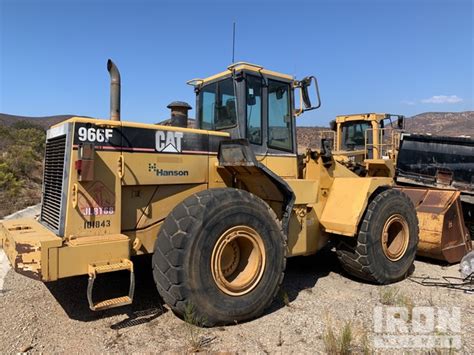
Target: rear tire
(386, 243)
(220, 255)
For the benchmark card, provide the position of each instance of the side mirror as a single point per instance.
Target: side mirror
(333, 125)
(401, 122)
(305, 84)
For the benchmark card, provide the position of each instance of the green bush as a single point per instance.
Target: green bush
(21, 164)
(8, 182)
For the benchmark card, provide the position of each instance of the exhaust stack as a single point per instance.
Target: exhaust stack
(179, 113)
(114, 91)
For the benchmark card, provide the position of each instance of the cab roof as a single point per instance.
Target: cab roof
(363, 117)
(241, 66)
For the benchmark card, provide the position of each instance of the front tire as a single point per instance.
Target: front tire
(220, 253)
(385, 247)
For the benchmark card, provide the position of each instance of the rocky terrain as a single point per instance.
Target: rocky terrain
(443, 123)
(318, 303)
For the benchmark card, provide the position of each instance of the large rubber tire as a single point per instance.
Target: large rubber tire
(364, 257)
(184, 250)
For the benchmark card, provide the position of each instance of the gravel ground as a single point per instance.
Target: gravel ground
(316, 296)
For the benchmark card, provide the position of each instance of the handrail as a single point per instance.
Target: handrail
(390, 148)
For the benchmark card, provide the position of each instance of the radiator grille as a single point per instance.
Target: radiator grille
(53, 181)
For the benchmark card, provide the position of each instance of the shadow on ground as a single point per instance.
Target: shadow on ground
(147, 304)
(302, 273)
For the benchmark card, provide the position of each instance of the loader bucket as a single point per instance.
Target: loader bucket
(443, 233)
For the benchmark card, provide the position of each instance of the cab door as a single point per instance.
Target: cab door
(280, 130)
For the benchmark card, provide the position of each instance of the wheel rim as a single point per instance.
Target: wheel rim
(238, 260)
(395, 237)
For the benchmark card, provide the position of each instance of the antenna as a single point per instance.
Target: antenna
(233, 43)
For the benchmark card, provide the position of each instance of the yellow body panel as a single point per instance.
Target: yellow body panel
(78, 254)
(346, 203)
(140, 169)
(306, 191)
(104, 191)
(284, 166)
(144, 215)
(27, 244)
(305, 235)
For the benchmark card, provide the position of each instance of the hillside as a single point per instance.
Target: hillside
(21, 155)
(22, 146)
(43, 122)
(443, 123)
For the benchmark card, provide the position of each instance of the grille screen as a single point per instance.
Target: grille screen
(53, 181)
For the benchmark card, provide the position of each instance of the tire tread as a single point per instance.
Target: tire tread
(168, 275)
(353, 252)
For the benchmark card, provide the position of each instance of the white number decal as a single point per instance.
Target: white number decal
(100, 135)
(91, 135)
(82, 132)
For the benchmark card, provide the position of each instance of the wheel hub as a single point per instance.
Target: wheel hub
(238, 260)
(395, 237)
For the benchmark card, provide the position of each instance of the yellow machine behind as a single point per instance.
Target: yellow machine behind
(368, 144)
(220, 206)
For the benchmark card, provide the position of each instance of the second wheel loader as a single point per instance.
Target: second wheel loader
(435, 172)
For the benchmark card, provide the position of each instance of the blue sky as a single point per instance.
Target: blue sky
(400, 56)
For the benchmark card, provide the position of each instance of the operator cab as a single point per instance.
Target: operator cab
(252, 103)
(359, 133)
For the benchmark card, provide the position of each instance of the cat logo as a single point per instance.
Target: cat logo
(168, 141)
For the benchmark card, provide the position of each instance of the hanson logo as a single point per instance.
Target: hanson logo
(162, 172)
(168, 141)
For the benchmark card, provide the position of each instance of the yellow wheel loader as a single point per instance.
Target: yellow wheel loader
(434, 171)
(220, 206)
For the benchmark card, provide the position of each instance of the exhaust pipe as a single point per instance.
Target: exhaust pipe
(114, 91)
(179, 113)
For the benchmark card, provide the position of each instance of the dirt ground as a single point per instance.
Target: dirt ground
(316, 297)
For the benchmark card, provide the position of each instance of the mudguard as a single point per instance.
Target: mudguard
(238, 159)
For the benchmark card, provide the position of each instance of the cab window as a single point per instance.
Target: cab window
(353, 135)
(254, 109)
(217, 105)
(279, 116)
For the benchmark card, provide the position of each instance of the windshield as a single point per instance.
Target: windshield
(353, 134)
(217, 105)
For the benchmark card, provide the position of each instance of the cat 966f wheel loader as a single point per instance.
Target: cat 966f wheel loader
(220, 206)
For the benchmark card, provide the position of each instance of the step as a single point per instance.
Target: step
(112, 303)
(103, 268)
(124, 264)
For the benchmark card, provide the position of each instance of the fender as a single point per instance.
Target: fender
(249, 174)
